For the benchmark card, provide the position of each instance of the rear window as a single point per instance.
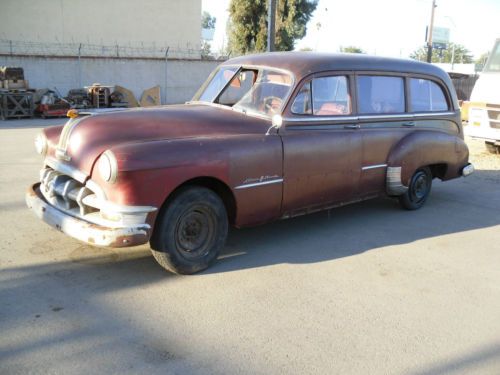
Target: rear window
(380, 94)
(426, 96)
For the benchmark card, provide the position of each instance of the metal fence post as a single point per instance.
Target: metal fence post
(79, 66)
(166, 75)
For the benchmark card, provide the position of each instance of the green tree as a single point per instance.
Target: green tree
(481, 60)
(207, 21)
(351, 49)
(461, 54)
(248, 24)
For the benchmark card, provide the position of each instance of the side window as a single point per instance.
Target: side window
(426, 96)
(302, 103)
(323, 96)
(380, 94)
(239, 86)
(330, 96)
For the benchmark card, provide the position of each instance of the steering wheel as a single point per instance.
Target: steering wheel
(271, 103)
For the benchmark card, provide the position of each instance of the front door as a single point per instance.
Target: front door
(322, 147)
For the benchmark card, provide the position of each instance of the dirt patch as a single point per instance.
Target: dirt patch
(486, 162)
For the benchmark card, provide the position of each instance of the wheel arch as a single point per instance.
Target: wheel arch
(216, 185)
(443, 153)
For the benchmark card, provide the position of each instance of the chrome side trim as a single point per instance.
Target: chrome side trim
(373, 166)
(256, 184)
(394, 186)
(433, 114)
(66, 169)
(402, 116)
(320, 119)
(381, 116)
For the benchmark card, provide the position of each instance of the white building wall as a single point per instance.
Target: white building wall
(159, 23)
(178, 79)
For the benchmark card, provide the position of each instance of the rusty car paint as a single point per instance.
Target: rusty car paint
(425, 148)
(315, 167)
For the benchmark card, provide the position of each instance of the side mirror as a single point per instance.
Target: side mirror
(277, 121)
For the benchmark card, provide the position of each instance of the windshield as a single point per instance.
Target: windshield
(260, 91)
(493, 64)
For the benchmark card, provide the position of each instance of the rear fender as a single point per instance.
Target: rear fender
(421, 149)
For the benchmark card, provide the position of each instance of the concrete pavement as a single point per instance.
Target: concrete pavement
(363, 289)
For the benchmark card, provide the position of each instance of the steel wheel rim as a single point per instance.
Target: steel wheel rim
(419, 187)
(195, 232)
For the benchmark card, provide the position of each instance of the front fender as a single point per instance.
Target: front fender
(150, 171)
(421, 149)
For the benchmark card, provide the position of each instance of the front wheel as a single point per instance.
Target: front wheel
(418, 190)
(191, 231)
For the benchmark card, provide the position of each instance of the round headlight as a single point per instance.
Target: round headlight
(107, 166)
(41, 144)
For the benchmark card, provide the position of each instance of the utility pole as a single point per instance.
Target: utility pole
(429, 33)
(271, 20)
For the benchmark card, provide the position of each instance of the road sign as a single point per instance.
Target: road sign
(440, 35)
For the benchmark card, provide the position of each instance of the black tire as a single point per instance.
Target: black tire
(191, 231)
(418, 190)
(492, 148)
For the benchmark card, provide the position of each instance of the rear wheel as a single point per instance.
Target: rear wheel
(191, 231)
(492, 148)
(418, 190)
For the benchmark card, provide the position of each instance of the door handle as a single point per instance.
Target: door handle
(409, 123)
(351, 126)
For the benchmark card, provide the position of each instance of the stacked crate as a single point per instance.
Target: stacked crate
(15, 99)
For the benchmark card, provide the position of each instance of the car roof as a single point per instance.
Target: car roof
(302, 64)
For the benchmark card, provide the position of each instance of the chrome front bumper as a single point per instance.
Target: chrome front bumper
(82, 230)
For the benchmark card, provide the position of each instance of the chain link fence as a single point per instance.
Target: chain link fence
(137, 50)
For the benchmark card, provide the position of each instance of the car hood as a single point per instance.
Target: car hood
(90, 136)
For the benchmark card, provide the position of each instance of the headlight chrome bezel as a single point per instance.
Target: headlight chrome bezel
(41, 144)
(107, 166)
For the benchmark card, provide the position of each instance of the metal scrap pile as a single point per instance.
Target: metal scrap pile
(17, 100)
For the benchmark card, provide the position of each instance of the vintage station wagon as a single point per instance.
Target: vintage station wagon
(267, 136)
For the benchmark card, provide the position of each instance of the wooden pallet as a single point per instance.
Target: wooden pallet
(16, 104)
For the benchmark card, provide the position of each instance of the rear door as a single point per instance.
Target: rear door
(322, 145)
(383, 120)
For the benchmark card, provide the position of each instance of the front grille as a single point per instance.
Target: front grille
(65, 192)
(494, 115)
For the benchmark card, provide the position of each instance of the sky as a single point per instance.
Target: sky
(385, 27)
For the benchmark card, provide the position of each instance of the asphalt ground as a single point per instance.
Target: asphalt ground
(363, 289)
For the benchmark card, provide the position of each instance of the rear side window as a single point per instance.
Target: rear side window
(323, 96)
(426, 96)
(380, 94)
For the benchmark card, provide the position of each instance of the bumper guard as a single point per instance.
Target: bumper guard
(82, 230)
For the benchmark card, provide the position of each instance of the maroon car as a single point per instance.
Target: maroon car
(267, 136)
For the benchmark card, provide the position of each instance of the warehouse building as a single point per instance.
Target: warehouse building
(67, 44)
